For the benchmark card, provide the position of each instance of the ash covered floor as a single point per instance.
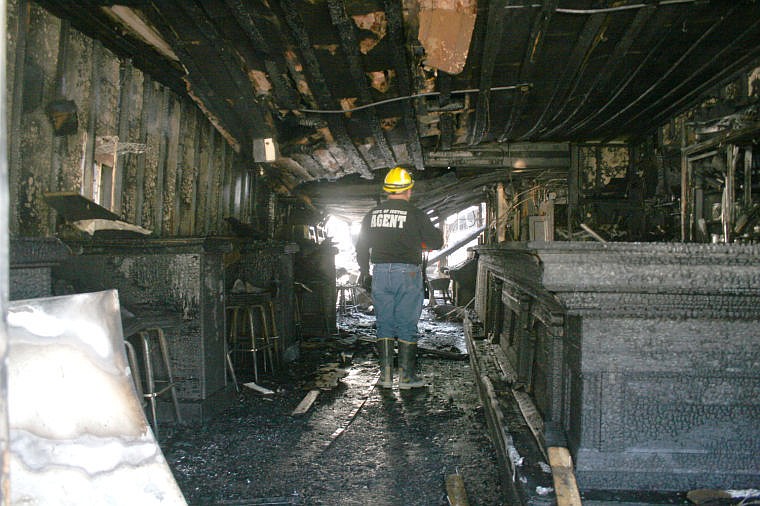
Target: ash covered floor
(357, 444)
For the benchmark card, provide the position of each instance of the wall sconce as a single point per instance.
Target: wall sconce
(264, 150)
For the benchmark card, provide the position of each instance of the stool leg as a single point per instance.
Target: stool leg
(276, 334)
(265, 337)
(254, 349)
(135, 370)
(173, 390)
(151, 394)
(230, 341)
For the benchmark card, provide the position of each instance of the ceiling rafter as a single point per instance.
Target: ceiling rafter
(121, 43)
(575, 66)
(614, 62)
(319, 86)
(445, 120)
(396, 35)
(527, 67)
(492, 34)
(657, 44)
(244, 100)
(738, 41)
(346, 31)
(201, 88)
(662, 77)
(274, 61)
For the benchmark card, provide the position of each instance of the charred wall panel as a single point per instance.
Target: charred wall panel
(172, 173)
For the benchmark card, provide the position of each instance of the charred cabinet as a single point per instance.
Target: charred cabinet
(645, 355)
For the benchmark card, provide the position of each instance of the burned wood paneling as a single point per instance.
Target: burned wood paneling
(164, 167)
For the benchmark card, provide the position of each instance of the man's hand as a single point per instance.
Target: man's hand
(365, 281)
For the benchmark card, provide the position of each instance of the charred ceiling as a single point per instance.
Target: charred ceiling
(348, 88)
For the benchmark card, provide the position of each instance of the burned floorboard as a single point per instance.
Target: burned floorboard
(356, 445)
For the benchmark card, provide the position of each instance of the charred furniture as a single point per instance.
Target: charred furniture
(643, 355)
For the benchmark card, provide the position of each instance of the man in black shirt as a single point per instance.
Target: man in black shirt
(392, 236)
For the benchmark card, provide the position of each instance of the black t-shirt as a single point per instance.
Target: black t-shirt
(395, 232)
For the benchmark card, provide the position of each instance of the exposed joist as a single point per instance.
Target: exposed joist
(397, 37)
(318, 85)
(96, 25)
(574, 67)
(531, 55)
(346, 31)
(493, 33)
(665, 105)
(203, 91)
(662, 78)
(601, 80)
(656, 43)
(274, 61)
(233, 75)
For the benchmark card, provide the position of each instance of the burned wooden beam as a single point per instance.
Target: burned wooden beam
(493, 33)
(656, 45)
(97, 25)
(661, 78)
(345, 27)
(665, 106)
(240, 89)
(403, 74)
(201, 88)
(527, 68)
(318, 85)
(274, 61)
(613, 64)
(574, 67)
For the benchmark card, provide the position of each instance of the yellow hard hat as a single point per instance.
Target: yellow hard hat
(398, 180)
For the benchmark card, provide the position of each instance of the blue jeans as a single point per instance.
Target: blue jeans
(397, 295)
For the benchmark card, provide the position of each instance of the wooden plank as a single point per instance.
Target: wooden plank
(15, 128)
(197, 168)
(306, 403)
(161, 166)
(142, 161)
(455, 491)
(565, 486)
(173, 177)
(532, 418)
(123, 113)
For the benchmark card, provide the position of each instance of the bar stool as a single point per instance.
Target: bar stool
(273, 333)
(244, 336)
(346, 298)
(150, 387)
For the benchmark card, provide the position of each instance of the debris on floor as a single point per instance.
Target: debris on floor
(354, 443)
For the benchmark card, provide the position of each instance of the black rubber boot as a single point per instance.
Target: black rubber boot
(407, 362)
(385, 357)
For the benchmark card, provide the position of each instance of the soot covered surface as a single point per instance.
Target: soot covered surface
(357, 445)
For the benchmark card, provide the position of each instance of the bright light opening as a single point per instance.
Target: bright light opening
(459, 226)
(343, 234)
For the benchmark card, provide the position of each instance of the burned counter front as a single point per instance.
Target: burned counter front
(183, 278)
(645, 355)
(31, 263)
